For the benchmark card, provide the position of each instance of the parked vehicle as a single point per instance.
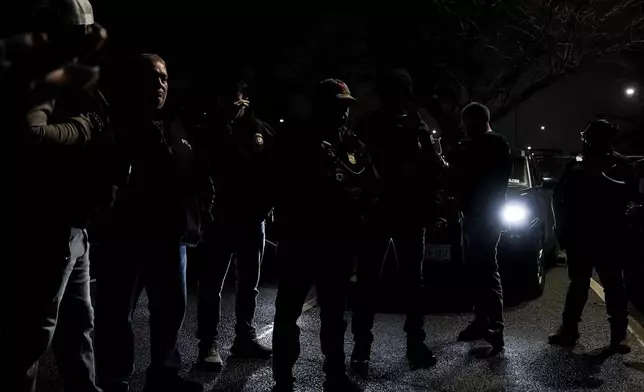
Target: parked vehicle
(525, 248)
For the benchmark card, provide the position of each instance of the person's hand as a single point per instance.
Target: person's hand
(97, 122)
(633, 210)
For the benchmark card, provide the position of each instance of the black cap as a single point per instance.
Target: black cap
(600, 131)
(398, 81)
(330, 89)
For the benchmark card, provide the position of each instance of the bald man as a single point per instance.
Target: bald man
(156, 215)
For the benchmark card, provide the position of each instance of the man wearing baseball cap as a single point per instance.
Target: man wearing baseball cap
(55, 198)
(327, 185)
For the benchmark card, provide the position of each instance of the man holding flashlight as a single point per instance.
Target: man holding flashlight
(239, 151)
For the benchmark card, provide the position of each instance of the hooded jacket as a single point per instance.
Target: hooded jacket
(406, 161)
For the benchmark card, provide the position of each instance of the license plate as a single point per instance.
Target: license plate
(439, 253)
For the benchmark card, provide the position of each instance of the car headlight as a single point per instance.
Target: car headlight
(514, 214)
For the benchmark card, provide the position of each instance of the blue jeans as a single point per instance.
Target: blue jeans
(245, 241)
(54, 298)
(159, 267)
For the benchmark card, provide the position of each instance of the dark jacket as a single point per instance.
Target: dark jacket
(592, 195)
(482, 166)
(324, 186)
(407, 163)
(240, 157)
(165, 192)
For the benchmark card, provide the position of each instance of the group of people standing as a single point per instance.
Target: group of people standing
(335, 194)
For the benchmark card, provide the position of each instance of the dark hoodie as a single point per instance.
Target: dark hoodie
(403, 154)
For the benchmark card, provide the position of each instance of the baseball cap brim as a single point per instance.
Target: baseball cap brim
(346, 97)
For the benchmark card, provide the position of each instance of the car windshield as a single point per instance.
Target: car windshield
(519, 175)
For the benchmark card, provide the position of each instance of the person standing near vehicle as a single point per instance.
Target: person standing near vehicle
(326, 187)
(57, 190)
(400, 144)
(483, 166)
(590, 204)
(163, 199)
(239, 149)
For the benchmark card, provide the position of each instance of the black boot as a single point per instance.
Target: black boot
(495, 338)
(419, 355)
(477, 330)
(340, 383)
(360, 359)
(619, 341)
(284, 381)
(566, 336)
(209, 359)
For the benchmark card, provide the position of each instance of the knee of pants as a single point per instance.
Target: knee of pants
(167, 310)
(616, 294)
(285, 337)
(411, 275)
(209, 288)
(580, 283)
(332, 326)
(287, 314)
(81, 320)
(247, 285)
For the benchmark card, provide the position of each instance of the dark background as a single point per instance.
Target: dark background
(283, 50)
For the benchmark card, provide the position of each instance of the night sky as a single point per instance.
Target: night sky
(283, 51)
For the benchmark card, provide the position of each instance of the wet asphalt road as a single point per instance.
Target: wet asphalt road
(527, 364)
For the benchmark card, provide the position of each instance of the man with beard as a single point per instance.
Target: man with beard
(56, 194)
(590, 204)
(400, 144)
(239, 148)
(327, 186)
(162, 198)
(483, 165)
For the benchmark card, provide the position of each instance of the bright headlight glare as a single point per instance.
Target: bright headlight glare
(514, 213)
